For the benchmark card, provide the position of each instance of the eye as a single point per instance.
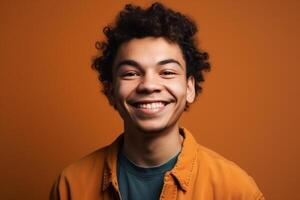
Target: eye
(168, 73)
(130, 74)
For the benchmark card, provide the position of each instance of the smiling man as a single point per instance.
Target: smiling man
(151, 71)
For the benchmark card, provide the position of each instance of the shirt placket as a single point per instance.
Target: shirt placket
(169, 190)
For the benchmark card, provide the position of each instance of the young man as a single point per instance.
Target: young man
(151, 71)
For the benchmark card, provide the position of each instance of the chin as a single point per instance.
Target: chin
(152, 128)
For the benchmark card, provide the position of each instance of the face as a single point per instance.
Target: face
(150, 88)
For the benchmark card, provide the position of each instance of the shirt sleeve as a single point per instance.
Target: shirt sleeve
(60, 189)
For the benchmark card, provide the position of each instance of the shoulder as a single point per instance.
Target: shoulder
(80, 176)
(217, 164)
(227, 178)
(89, 164)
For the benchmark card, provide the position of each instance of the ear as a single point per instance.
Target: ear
(190, 90)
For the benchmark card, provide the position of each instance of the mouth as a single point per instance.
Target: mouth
(149, 107)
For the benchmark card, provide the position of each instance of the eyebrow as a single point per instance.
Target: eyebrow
(127, 62)
(136, 64)
(167, 61)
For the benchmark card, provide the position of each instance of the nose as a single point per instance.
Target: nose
(149, 83)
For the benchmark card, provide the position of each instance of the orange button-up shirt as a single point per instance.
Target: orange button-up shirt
(199, 174)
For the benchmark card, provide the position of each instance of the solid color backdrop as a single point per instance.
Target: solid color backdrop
(52, 112)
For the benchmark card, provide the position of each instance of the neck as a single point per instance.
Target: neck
(148, 149)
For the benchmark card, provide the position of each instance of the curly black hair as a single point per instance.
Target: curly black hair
(155, 21)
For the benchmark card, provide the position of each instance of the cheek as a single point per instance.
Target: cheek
(178, 89)
(123, 90)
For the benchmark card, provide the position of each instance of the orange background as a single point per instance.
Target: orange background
(52, 112)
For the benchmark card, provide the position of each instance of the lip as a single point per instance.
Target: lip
(148, 101)
(146, 111)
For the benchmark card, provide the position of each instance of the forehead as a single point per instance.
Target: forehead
(149, 51)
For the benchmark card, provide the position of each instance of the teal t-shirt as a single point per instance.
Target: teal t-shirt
(137, 183)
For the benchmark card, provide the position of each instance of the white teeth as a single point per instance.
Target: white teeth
(154, 105)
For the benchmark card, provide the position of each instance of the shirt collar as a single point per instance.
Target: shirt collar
(182, 171)
(110, 164)
(186, 162)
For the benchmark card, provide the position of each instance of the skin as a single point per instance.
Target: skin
(150, 90)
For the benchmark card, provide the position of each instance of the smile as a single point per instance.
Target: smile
(154, 105)
(147, 108)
